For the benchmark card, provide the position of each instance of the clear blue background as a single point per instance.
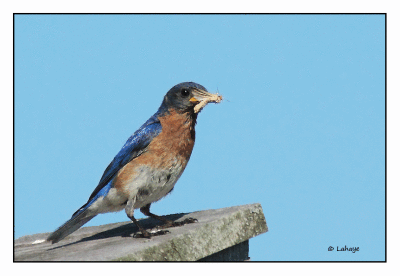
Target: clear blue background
(302, 129)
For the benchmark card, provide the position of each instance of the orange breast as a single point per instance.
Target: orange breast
(173, 145)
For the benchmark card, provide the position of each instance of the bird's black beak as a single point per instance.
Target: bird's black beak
(201, 98)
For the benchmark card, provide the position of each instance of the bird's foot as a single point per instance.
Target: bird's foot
(177, 223)
(185, 221)
(151, 233)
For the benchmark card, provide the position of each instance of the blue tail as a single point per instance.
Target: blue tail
(78, 219)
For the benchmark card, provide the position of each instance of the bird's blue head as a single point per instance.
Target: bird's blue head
(188, 97)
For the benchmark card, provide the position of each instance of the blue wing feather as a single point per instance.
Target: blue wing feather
(134, 146)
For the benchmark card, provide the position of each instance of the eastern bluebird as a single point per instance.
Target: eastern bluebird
(149, 164)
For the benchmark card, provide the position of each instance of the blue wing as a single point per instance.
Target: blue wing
(135, 146)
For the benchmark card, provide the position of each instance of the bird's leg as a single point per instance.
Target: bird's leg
(129, 210)
(167, 223)
(146, 211)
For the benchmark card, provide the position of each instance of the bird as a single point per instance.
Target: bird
(149, 164)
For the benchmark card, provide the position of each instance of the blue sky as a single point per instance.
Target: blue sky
(302, 129)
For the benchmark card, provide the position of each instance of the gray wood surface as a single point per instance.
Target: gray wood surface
(215, 231)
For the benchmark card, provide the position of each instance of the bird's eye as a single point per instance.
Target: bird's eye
(185, 92)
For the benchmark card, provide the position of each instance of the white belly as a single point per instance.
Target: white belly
(148, 185)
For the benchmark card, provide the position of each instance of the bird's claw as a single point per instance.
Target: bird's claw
(187, 221)
(160, 230)
(152, 233)
(177, 223)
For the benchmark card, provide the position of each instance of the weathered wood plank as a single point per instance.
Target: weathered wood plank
(215, 231)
